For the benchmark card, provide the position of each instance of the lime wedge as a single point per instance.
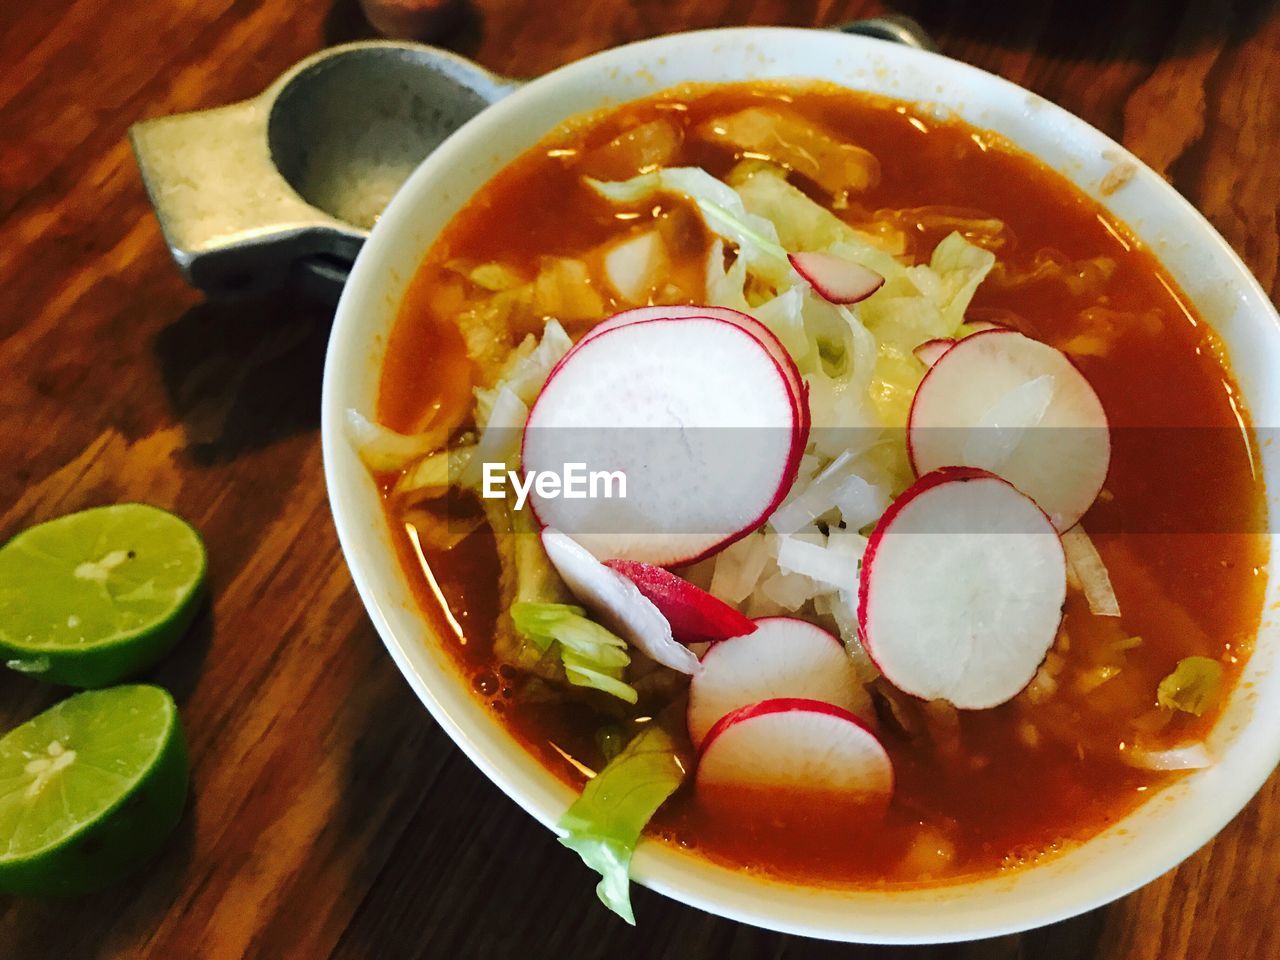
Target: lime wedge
(96, 597)
(89, 790)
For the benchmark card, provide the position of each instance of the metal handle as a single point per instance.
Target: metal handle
(896, 28)
(251, 195)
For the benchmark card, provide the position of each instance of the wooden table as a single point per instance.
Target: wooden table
(330, 816)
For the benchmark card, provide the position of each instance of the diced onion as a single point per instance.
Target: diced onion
(860, 503)
(738, 568)
(818, 562)
(814, 499)
(1086, 563)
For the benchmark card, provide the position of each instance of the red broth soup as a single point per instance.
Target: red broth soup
(1115, 707)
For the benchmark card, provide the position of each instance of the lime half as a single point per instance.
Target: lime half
(95, 597)
(89, 790)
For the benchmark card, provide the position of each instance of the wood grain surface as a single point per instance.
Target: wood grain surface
(331, 817)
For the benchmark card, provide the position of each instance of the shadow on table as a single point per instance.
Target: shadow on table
(241, 375)
(72, 928)
(1091, 29)
(1084, 29)
(464, 873)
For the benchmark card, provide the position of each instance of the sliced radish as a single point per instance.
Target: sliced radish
(796, 745)
(767, 338)
(836, 279)
(962, 588)
(784, 657)
(931, 351)
(1006, 403)
(695, 615)
(697, 416)
(617, 602)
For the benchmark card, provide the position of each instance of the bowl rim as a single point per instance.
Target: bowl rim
(936, 916)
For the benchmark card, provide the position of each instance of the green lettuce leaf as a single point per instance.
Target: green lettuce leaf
(801, 223)
(1192, 687)
(593, 657)
(605, 823)
(961, 266)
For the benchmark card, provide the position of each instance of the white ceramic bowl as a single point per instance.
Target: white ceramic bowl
(1154, 839)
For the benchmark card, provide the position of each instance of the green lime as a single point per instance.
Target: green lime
(89, 790)
(96, 597)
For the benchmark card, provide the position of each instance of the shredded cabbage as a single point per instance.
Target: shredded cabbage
(500, 439)
(802, 224)
(604, 825)
(721, 207)
(432, 476)
(592, 656)
(536, 580)
(800, 143)
(383, 449)
(495, 277)
(960, 266)
(526, 370)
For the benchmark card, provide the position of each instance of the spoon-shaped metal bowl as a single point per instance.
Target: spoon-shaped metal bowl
(283, 188)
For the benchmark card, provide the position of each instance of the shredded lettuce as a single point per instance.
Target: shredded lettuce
(720, 206)
(536, 579)
(592, 656)
(604, 824)
(526, 370)
(804, 224)
(1192, 687)
(960, 266)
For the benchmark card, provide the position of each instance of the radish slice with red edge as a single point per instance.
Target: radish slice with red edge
(697, 417)
(961, 590)
(795, 745)
(695, 615)
(836, 279)
(931, 351)
(783, 657)
(1003, 402)
(616, 602)
(767, 338)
